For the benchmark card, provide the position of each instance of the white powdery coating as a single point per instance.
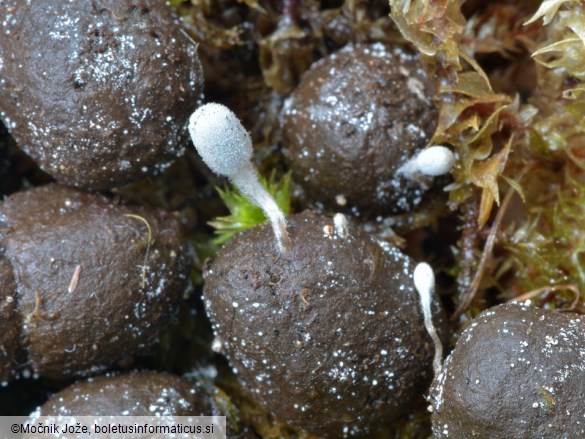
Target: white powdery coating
(432, 161)
(334, 111)
(220, 139)
(435, 160)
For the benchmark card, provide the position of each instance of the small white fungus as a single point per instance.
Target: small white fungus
(432, 161)
(340, 224)
(424, 282)
(226, 147)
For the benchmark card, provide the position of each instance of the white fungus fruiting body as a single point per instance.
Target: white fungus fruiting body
(431, 162)
(435, 160)
(220, 139)
(226, 147)
(424, 282)
(341, 226)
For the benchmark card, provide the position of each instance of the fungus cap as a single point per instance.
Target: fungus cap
(220, 139)
(435, 160)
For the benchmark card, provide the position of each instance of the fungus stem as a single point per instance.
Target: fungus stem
(424, 282)
(247, 182)
(340, 223)
(226, 147)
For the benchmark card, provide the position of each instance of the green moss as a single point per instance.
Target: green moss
(548, 247)
(500, 136)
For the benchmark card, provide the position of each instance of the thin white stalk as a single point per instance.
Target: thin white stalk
(424, 282)
(247, 182)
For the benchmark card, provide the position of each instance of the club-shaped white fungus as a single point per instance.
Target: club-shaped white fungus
(226, 147)
(432, 161)
(424, 282)
(340, 224)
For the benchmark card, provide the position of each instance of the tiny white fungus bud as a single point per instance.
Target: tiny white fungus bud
(340, 223)
(435, 160)
(424, 282)
(226, 147)
(341, 200)
(217, 345)
(432, 161)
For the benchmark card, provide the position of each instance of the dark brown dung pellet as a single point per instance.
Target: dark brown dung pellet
(96, 280)
(516, 372)
(328, 336)
(97, 92)
(141, 393)
(355, 118)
